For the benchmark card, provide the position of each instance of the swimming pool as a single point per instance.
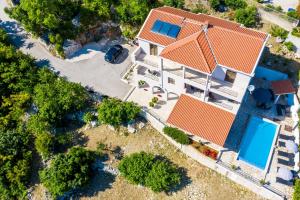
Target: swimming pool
(258, 141)
(269, 74)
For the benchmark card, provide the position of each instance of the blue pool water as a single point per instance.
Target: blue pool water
(270, 75)
(257, 142)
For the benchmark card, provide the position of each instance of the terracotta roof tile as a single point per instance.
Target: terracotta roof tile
(200, 56)
(283, 87)
(202, 119)
(233, 46)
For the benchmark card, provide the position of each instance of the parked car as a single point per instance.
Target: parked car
(113, 53)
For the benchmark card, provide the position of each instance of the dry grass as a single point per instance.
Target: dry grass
(202, 183)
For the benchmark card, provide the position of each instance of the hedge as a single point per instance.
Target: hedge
(178, 135)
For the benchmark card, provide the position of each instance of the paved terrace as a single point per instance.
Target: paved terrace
(248, 109)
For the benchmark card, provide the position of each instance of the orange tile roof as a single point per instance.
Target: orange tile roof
(199, 56)
(234, 46)
(202, 119)
(283, 87)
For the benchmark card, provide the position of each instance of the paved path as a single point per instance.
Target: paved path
(92, 71)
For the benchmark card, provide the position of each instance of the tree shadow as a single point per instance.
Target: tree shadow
(43, 63)
(100, 182)
(16, 33)
(185, 179)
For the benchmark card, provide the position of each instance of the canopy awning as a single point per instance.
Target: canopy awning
(283, 87)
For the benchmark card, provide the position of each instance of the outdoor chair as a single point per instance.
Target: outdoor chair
(279, 110)
(284, 182)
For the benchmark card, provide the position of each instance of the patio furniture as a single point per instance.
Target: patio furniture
(262, 96)
(291, 146)
(279, 110)
(285, 174)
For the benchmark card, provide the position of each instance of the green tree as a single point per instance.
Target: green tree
(15, 163)
(92, 10)
(136, 167)
(55, 100)
(88, 117)
(246, 16)
(174, 3)
(133, 12)
(162, 176)
(44, 144)
(214, 4)
(115, 112)
(296, 194)
(68, 171)
(236, 4)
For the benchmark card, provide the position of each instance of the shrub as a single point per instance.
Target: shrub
(68, 171)
(178, 135)
(277, 31)
(246, 16)
(154, 99)
(289, 45)
(214, 4)
(144, 169)
(151, 104)
(296, 32)
(44, 144)
(115, 112)
(88, 117)
(236, 4)
(296, 194)
(174, 3)
(293, 14)
(136, 167)
(162, 176)
(199, 9)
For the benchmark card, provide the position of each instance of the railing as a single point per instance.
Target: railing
(144, 58)
(252, 179)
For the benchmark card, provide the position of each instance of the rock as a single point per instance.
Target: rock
(93, 124)
(111, 127)
(131, 129)
(141, 125)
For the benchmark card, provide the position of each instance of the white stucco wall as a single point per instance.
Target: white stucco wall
(219, 73)
(178, 87)
(146, 47)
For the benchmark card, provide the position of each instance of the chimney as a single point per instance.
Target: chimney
(205, 26)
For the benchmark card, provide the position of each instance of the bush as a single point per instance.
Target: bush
(44, 144)
(144, 169)
(277, 31)
(174, 3)
(151, 104)
(199, 9)
(136, 167)
(289, 45)
(115, 112)
(154, 99)
(162, 176)
(236, 4)
(296, 32)
(293, 14)
(88, 117)
(68, 171)
(178, 135)
(247, 16)
(296, 195)
(214, 4)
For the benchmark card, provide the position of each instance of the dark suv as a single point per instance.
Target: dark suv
(113, 53)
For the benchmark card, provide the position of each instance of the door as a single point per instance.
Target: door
(153, 49)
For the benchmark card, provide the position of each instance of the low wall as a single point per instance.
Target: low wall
(220, 167)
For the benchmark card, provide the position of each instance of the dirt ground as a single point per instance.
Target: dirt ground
(198, 183)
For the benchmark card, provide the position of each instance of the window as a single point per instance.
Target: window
(153, 50)
(230, 76)
(171, 81)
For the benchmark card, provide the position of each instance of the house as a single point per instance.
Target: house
(204, 61)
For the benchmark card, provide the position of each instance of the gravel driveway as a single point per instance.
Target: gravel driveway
(91, 71)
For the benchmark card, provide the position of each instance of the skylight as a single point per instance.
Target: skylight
(165, 28)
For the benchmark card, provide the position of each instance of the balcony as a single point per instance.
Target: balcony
(223, 102)
(142, 58)
(223, 87)
(150, 76)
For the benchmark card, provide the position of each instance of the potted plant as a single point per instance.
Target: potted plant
(151, 104)
(154, 100)
(141, 83)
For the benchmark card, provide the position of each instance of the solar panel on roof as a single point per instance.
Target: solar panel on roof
(157, 26)
(165, 28)
(173, 32)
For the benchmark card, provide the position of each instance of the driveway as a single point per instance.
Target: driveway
(87, 68)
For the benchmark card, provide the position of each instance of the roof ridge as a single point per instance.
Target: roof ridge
(198, 45)
(210, 47)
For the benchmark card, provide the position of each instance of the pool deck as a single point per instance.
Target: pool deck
(276, 160)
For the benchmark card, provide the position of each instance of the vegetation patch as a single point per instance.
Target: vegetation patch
(178, 135)
(68, 171)
(277, 31)
(114, 112)
(146, 169)
(206, 150)
(246, 16)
